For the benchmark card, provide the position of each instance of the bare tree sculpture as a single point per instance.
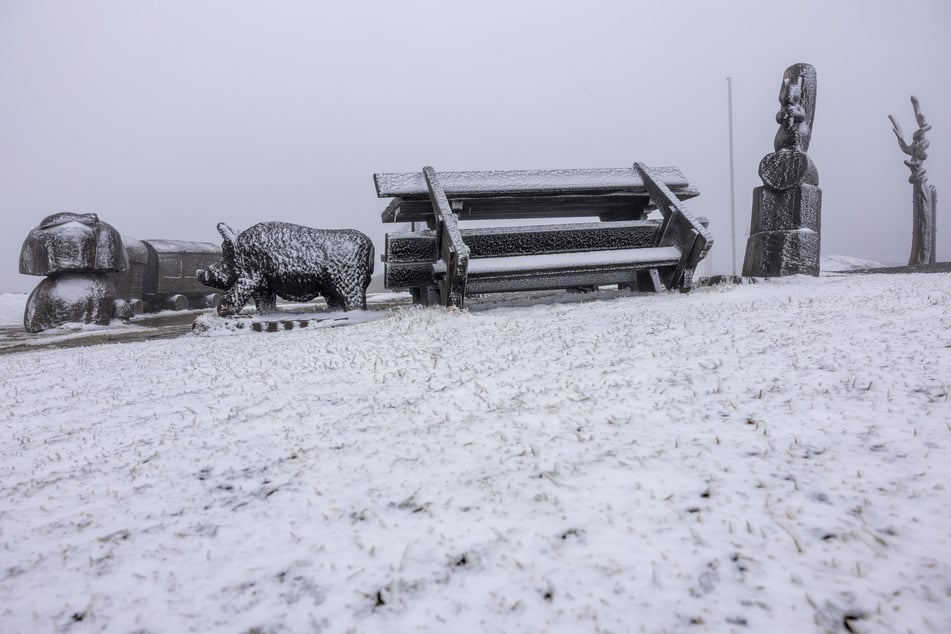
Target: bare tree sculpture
(924, 196)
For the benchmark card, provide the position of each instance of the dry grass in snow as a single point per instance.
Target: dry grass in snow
(762, 458)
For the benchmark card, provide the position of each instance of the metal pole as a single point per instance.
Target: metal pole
(729, 98)
(934, 224)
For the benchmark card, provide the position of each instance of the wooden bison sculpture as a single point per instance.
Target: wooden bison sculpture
(280, 259)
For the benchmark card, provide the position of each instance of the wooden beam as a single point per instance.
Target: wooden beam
(525, 182)
(612, 206)
(679, 228)
(577, 261)
(392, 211)
(454, 254)
(567, 270)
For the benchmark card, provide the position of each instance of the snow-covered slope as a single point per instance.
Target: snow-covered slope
(755, 458)
(841, 263)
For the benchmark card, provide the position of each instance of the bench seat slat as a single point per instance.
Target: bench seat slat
(575, 261)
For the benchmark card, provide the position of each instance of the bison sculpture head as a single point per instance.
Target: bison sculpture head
(224, 273)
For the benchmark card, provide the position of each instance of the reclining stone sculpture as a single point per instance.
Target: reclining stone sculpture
(280, 259)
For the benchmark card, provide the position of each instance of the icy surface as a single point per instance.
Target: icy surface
(754, 458)
(72, 242)
(525, 181)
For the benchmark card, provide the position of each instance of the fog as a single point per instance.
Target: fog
(167, 117)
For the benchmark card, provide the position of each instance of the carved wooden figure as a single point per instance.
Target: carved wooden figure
(786, 221)
(924, 196)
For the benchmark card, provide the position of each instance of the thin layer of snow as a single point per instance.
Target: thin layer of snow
(210, 324)
(842, 263)
(762, 458)
(525, 181)
(387, 297)
(77, 288)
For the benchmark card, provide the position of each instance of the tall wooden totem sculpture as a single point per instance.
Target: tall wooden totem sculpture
(785, 224)
(924, 196)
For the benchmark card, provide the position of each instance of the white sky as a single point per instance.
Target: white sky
(168, 117)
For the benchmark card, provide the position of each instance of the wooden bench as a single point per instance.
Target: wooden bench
(442, 262)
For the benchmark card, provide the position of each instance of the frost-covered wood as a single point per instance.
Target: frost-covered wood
(71, 242)
(297, 263)
(924, 196)
(132, 276)
(453, 252)
(786, 216)
(444, 261)
(679, 230)
(527, 182)
(161, 274)
(607, 194)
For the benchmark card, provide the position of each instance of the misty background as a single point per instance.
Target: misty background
(167, 117)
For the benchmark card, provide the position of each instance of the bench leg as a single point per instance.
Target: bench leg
(449, 295)
(425, 296)
(647, 281)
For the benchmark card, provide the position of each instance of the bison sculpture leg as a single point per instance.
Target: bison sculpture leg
(265, 303)
(238, 295)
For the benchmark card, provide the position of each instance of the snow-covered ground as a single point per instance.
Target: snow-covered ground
(753, 458)
(839, 263)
